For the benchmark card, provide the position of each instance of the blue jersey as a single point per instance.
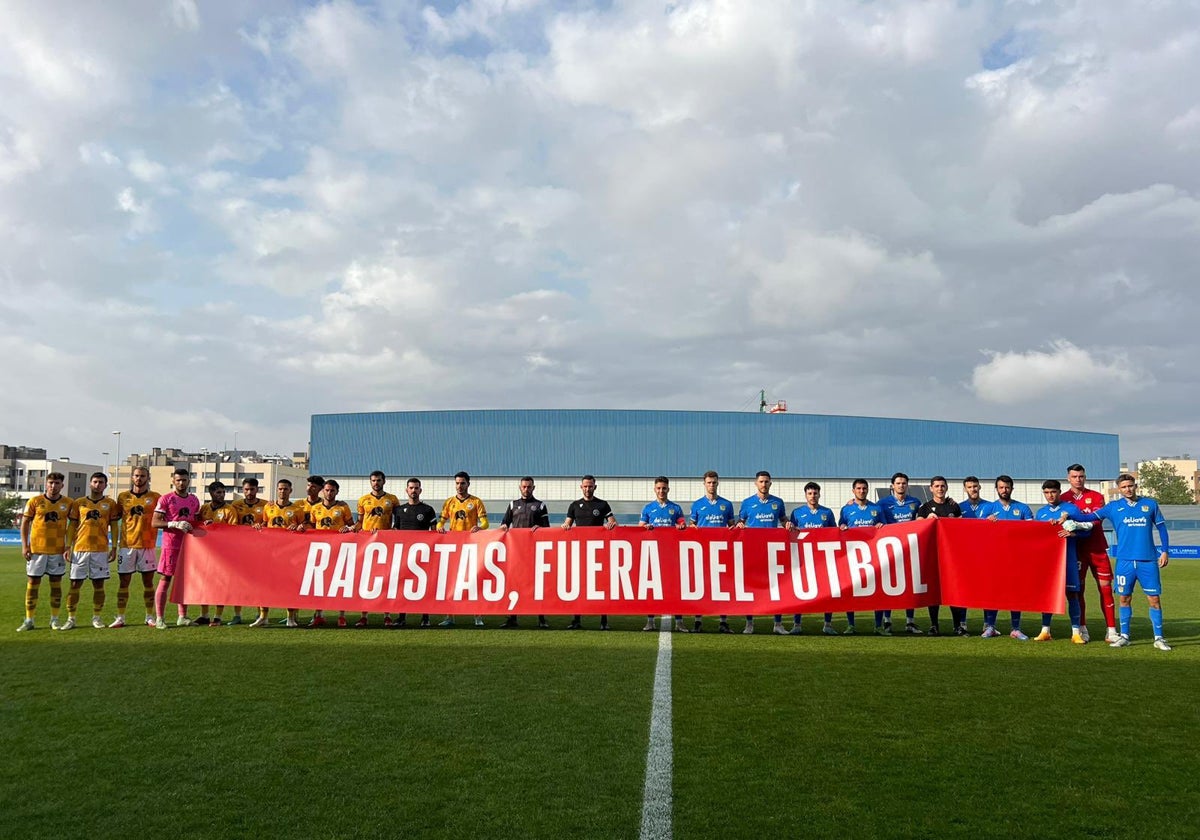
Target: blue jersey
(1014, 511)
(662, 516)
(806, 517)
(896, 510)
(760, 513)
(717, 513)
(854, 516)
(1131, 523)
(974, 510)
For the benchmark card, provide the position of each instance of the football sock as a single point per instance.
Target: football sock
(1015, 617)
(1082, 604)
(1126, 615)
(796, 618)
(1106, 604)
(1074, 612)
(31, 597)
(989, 617)
(55, 597)
(909, 616)
(122, 597)
(1046, 617)
(850, 619)
(72, 601)
(879, 618)
(1156, 621)
(148, 597)
(935, 612)
(829, 618)
(97, 600)
(160, 596)
(959, 614)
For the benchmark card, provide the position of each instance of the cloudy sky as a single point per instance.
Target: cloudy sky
(227, 216)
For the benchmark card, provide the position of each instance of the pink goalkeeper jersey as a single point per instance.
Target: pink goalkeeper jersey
(176, 508)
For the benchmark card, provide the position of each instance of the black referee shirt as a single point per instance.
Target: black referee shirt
(586, 513)
(410, 517)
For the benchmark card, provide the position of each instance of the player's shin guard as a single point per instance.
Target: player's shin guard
(97, 600)
(1126, 616)
(55, 597)
(72, 601)
(122, 597)
(160, 597)
(1156, 621)
(1106, 603)
(31, 597)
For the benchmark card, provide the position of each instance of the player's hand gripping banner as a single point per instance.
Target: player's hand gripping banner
(993, 565)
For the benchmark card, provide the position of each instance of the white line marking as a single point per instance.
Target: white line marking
(657, 797)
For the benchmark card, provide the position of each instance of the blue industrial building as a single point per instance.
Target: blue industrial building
(619, 443)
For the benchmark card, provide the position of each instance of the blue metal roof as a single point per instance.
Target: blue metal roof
(571, 442)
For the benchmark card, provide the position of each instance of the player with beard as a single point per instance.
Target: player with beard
(289, 515)
(1053, 511)
(812, 514)
(762, 510)
(1092, 550)
(1005, 508)
(175, 515)
(898, 507)
(526, 511)
(941, 506)
(214, 512)
(137, 540)
(250, 512)
(588, 511)
(663, 513)
(462, 512)
(414, 515)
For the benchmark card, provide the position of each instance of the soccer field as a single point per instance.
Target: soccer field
(230, 732)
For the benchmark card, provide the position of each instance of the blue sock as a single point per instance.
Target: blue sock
(909, 616)
(1156, 621)
(1016, 620)
(850, 619)
(1073, 611)
(878, 618)
(989, 617)
(1126, 614)
(1046, 617)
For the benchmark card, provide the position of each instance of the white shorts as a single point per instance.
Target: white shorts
(45, 564)
(89, 565)
(137, 560)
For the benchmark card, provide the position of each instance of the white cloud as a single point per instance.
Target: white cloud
(1059, 371)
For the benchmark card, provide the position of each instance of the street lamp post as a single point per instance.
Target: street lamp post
(114, 478)
(117, 462)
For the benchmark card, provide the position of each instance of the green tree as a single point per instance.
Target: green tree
(1160, 481)
(10, 506)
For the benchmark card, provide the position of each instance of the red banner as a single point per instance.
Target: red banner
(994, 565)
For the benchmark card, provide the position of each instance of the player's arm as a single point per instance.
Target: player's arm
(506, 520)
(114, 533)
(1164, 542)
(26, 527)
(569, 522)
(443, 521)
(681, 522)
(72, 529)
(543, 519)
(481, 524)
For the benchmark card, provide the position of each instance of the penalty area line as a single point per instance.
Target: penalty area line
(657, 795)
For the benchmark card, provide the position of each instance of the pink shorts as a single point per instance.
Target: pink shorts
(167, 562)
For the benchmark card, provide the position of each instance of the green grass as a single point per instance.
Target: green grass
(231, 732)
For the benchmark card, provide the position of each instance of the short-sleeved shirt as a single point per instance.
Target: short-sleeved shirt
(226, 514)
(974, 510)
(464, 514)
(865, 516)
(661, 516)
(137, 518)
(762, 513)
(1046, 513)
(48, 524)
(414, 517)
(898, 510)
(176, 508)
(1134, 523)
(333, 517)
(526, 513)
(375, 512)
(948, 509)
(712, 513)
(806, 517)
(1014, 510)
(94, 518)
(285, 516)
(251, 514)
(587, 513)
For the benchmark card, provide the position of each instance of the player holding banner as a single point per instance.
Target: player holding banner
(175, 515)
(712, 511)
(861, 513)
(812, 514)
(1093, 553)
(762, 510)
(1132, 518)
(1053, 511)
(138, 537)
(663, 513)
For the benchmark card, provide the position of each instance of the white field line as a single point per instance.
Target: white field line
(657, 796)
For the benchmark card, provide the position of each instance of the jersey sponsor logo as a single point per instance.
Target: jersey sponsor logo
(326, 521)
(50, 516)
(376, 511)
(137, 510)
(277, 522)
(92, 514)
(248, 519)
(184, 513)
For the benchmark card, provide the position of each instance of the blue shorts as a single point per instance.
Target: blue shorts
(1072, 574)
(1143, 572)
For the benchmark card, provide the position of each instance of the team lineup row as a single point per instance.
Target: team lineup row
(92, 532)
